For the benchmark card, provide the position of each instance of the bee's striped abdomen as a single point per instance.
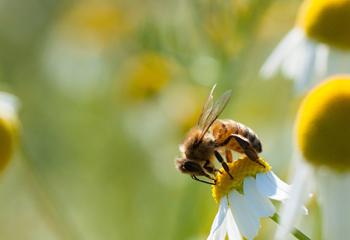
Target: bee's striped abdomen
(222, 129)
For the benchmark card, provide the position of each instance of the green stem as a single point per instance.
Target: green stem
(296, 232)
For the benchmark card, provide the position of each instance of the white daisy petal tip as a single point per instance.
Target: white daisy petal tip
(280, 54)
(9, 100)
(232, 228)
(219, 220)
(271, 186)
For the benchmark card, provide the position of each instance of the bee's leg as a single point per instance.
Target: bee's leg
(210, 169)
(229, 157)
(202, 181)
(207, 176)
(225, 142)
(223, 163)
(248, 149)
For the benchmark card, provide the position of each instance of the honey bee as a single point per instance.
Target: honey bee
(211, 137)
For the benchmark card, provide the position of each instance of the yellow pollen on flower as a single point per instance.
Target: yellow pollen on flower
(326, 21)
(239, 169)
(323, 124)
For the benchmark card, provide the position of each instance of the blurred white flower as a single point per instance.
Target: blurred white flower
(77, 52)
(9, 125)
(322, 159)
(318, 45)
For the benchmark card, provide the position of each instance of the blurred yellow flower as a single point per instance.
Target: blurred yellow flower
(8, 128)
(95, 22)
(146, 74)
(326, 21)
(323, 125)
(322, 158)
(182, 103)
(223, 34)
(220, 23)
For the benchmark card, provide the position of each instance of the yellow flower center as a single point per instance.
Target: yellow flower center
(8, 140)
(147, 74)
(323, 124)
(326, 21)
(239, 169)
(96, 22)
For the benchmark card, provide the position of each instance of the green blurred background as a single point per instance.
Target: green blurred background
(108, 90)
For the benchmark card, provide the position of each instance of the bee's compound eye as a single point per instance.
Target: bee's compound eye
(192, 166)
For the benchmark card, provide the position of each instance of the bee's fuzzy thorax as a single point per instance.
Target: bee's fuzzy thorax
(192, 136)
(196, 148)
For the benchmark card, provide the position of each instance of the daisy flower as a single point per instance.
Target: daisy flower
(9, 125)
(317, 46)
(78, 48)
(323, 162)
(244, 199)
(146, 75)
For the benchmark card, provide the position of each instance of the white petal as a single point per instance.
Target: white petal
(284, 48)
(291, 66)
(307, 67)
(292, 208)
(258, 203)
(218, 223)
(247, 221)
(321, 64)
(269, 185)
(9, 104)
(220, 234)
(334, 200)
(338, 62)
(300, 63)
(232, 228)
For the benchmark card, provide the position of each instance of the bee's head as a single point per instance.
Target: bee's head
(185, 165)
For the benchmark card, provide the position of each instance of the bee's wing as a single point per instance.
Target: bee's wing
(215, 111)
(207, 108)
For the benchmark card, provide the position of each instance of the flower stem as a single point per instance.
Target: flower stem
(296, 232)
